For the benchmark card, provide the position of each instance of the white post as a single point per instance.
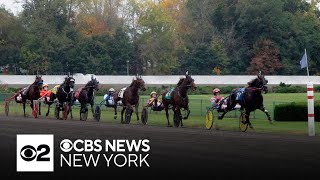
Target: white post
(311, 129)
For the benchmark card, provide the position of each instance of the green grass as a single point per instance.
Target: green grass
(198, 104)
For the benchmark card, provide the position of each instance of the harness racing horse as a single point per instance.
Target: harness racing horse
(31, 93)
(178, 99)
(251, 100)
(85, 95)
(130, 98)
(65, 97)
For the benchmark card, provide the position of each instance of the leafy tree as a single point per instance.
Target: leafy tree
(265, 59)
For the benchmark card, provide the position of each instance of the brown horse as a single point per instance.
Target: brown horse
(85, 95)
(31, 93)
(178, 99)
(250, 98)
(130, 97)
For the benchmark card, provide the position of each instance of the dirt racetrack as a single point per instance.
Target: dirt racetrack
(181, 152)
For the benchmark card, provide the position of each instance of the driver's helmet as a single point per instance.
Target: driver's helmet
(45, 85)
(216, 90)
(111, 90)
(153, 92)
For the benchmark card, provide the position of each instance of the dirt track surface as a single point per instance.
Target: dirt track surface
(181, 152)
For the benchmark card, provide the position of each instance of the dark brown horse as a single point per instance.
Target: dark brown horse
(178, 99)
(65, 94)
(31, 93)
(85, 95)
(130, 97)
(251, 99)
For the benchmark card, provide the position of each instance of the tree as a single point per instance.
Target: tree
(265, 59)
(11, 40)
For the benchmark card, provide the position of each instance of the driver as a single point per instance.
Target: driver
(45, 93)
(109, 97)
(153, 97)
(217, 100)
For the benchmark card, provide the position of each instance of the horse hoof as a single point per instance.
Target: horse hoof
(169, 125)
(185, 117)
(47, 114)
(250, 126)
(114, 117)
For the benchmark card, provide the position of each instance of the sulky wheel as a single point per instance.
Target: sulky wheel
(7, 107)
(144, 116)
(209, 119)
(66, 109)
(129, 111)
(243, 125)
(56, 110)
(97, 113)
(84, 115)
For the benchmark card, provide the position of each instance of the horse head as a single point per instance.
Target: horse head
(93, 83)
(69, 81)
(38, 81)
(139, 83)
(187, 82)
(259, 82)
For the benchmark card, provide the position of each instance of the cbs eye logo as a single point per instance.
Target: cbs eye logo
(35, 153)
(29, 153)
(66, 145)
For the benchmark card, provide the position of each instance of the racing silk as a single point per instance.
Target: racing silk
(239, 94)
(217, 98)
(55, 89)
(121, 92)
(46, 93)
(76, 95)
(168, 95)
(109, 99)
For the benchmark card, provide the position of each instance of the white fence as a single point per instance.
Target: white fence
(20, 80)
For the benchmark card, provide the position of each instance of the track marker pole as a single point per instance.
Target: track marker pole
(311, 128)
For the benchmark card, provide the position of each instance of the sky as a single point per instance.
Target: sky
(12, 5)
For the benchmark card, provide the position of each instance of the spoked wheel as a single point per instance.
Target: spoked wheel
(144, 116)
(177, 119)
(209, 119)
(56, 110)
(35, 109)
(243, 125)
(128, 114)
(84, 115)
(7, 107)
(97, 113)
(66, 109)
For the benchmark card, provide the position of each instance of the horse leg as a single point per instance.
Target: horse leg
(92, 109)
(180, 116)
(247, 115)
(188, 113)
(230, 105)
(263, 109)
(167, 115)
(122, 111)
(136, 107)
(31, 105)
(48, 110)
(24, 109)
(70, 110)
(115, 112)
(39, 109)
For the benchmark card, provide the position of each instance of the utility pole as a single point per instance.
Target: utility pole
(127, 67)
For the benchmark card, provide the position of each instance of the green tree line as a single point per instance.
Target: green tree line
(161, 37)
